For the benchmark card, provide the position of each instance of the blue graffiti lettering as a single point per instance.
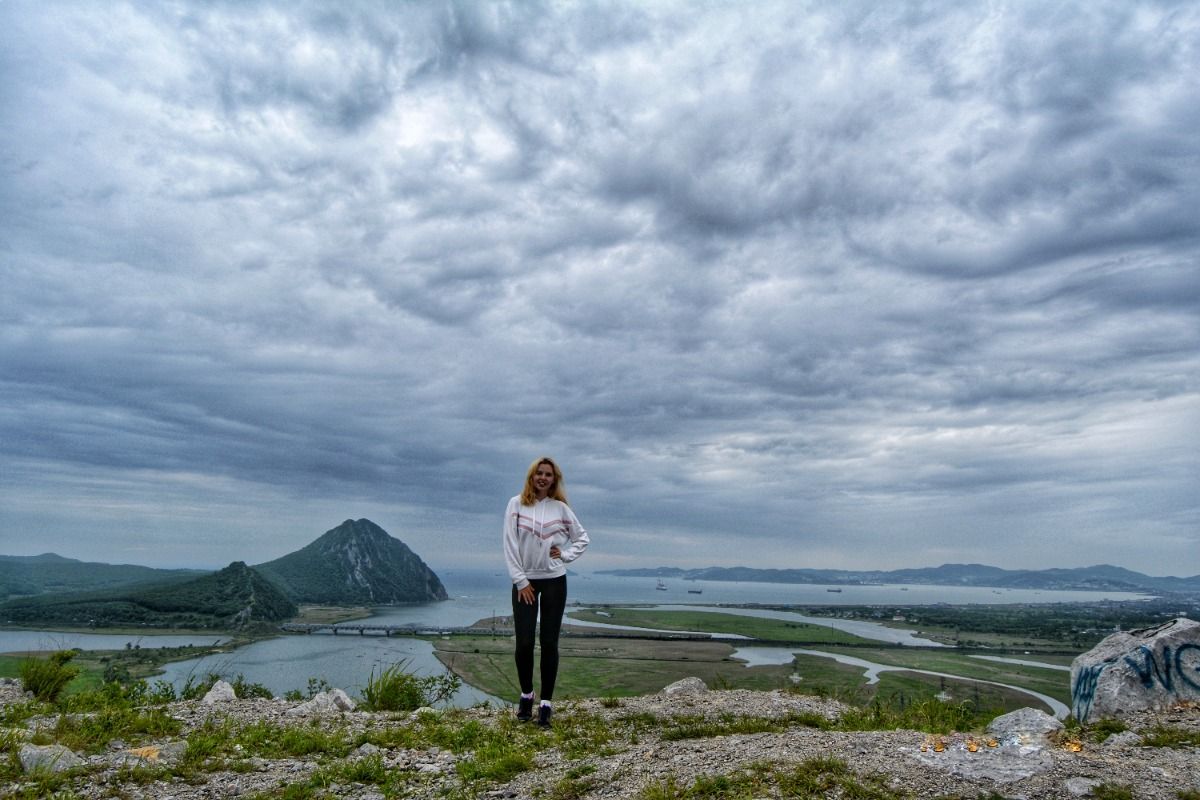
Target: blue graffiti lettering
(1149, 670)
(1084, 690)
(1182, 670)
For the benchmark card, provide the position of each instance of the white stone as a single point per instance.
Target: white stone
(221, 692)
(1147, 669)
(333, 701)
(691, 685)
(51, 757)
(1025, 726)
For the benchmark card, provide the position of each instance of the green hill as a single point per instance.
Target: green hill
(356, 563)
(50, 573)
(233, 598)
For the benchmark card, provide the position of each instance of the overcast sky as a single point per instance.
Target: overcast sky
(779, 284)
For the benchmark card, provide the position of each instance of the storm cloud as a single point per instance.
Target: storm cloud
(778, 284)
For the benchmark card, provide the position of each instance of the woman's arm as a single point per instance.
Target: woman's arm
(577, 535)
(512, 549)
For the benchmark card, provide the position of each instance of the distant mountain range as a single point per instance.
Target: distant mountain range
(33, 575)
(234, 598)
(356, 563)
(1102, 577)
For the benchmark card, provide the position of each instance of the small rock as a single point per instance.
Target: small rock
(221, 692)
(52, 757)
(1123, 739)
(366, 749)
(1081, 787)
(334, 701)
(692, 685)
(14, 734)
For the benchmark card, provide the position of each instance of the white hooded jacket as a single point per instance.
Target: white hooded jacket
(530, 532)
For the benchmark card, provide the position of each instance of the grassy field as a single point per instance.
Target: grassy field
(93, 665)
(627, 667)
(1054, 683)
(607, 667)
(695, 621)
(954, 637)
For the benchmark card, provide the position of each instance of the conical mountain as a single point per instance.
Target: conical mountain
(356, 563)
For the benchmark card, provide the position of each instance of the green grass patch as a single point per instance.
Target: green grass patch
(814, 778)
(716, 622)
(1169, 736)
(611, 668)
(727, 724)
(1104, 728)
(930, 715)
(91, 732)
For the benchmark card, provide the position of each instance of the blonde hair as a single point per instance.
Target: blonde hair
(529, 496)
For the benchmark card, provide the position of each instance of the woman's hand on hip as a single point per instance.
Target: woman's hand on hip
(555, 552)
(526, 595)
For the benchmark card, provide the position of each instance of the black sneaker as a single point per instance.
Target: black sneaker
(525, 709)
(544, 713)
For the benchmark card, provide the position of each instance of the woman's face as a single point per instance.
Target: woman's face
(543, 479)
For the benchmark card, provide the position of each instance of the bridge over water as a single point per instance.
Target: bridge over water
(369, 629)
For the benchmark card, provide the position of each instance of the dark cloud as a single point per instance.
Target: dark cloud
(907, 281)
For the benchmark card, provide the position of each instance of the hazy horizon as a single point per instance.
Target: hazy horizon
(851, 285)
(585, 569)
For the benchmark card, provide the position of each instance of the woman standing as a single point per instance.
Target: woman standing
(541, 535)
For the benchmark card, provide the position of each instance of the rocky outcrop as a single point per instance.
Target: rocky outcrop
(1137, 670)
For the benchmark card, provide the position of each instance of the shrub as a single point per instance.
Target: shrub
(118, 695)
(47, 677)
(929, 715)
(395, 689)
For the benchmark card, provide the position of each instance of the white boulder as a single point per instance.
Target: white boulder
(1148, 669)
(221, 692)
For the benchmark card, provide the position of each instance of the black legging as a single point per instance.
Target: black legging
(551, 595)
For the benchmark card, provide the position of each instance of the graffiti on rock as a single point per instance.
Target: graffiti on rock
(1174, 670)
(1182, 662)
(1084, 690)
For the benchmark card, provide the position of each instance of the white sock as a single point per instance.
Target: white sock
(526, 696)
(546, 703)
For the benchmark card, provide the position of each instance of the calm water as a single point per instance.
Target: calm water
(347, 661)
(23, 641)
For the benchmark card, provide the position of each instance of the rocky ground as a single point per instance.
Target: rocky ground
(1026, 757)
